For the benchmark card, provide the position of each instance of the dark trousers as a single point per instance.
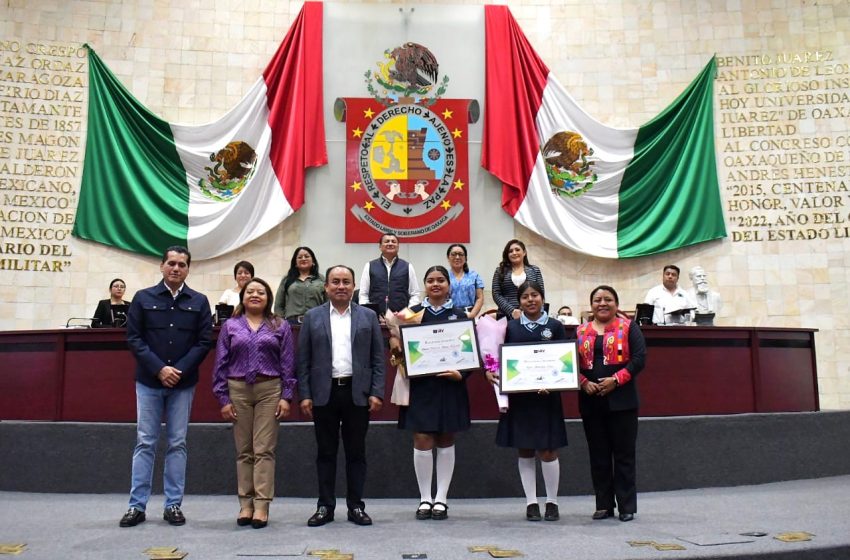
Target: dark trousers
(354, 422)
(611, 439)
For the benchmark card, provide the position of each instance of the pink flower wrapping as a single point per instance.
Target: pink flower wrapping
(491, 335)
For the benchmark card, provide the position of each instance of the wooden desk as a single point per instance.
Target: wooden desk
(87, 375)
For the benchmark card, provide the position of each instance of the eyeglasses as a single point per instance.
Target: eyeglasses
(457, 254)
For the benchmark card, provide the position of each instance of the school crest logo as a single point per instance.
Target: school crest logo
(407, 165)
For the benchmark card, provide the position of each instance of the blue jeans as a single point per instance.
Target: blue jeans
(151, 404)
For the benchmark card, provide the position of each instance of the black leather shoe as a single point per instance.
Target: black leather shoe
(174, 516)
(359, 517)
(627, 516)
(532, 512)
(424, 511)
(259, 523)
(602, 514)
(132, 518)
(438, 514)
(323, 515)
(552, 513)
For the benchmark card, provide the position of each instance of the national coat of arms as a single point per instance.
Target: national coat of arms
(232, 168)
(410, 70)
(569, 165)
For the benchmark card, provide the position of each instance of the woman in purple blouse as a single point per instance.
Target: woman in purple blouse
(254, 381)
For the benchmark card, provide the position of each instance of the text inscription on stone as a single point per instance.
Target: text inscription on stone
(42, 95)
(783, 128)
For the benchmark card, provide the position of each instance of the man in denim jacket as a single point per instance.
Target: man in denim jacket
(169, 331)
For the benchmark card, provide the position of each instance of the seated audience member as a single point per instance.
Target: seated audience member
(565, 316)
(668, 298)
(242, 272)
(302, 289)
(103, 315)
(705, 299)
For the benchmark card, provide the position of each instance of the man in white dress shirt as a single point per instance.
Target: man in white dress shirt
(668, 299)
(340, 366)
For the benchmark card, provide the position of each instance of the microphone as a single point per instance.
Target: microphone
(88, 320)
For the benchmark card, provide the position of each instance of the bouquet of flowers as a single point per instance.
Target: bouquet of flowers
(491, 334)
(401, 386)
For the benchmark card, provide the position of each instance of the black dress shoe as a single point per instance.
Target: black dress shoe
(132, 518)
(323, 515)
(243, 521)
(438, 514)
(602, 514)
(551, 512)
(259, 523)
(532, 512)
(174, 516)
(359, 517)
(627, 516)
(424, 511)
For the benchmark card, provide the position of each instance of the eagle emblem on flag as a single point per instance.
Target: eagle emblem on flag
(569, 164)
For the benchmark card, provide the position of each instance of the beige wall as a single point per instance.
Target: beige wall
(623, 61)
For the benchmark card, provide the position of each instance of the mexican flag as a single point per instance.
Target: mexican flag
(148, 184)
(595, 189)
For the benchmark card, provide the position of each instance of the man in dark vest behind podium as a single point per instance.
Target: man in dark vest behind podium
(389, 281)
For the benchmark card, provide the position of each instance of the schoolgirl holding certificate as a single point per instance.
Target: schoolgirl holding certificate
(534, 422)
(438, 407)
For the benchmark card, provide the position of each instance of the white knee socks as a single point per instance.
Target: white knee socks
(551, 476)
(423, 464)
(445, 470)
(528, 476)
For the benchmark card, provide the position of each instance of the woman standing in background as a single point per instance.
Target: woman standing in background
(467, 287)
(302, 289)
(510, 274)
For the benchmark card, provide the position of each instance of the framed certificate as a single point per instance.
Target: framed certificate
(437, 347)
(539, 365)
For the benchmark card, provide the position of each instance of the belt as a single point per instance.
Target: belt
(341, 381)
(296, 319)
